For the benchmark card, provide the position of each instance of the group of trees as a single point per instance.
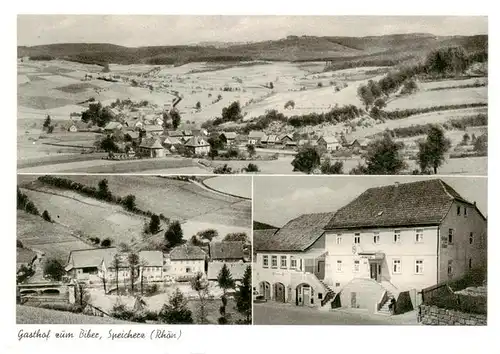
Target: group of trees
(23, 203)
(97, 114)
(47, 125)
(431, 151)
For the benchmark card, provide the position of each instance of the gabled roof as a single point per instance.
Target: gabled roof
(172, 141)
(196, 142)
(262, 226)
(151, 258)
(255, 134)
(227, 250)
(237, 270)
(113, 126)
(152, 128)
(175, 133)
(261, 236)
(285, 136)
(329, 139)
(229, 135)
(89, 258)
(151, 143)
(132, 134)
(297, 235)
(270, 138)
(187, 252)
(406, 204)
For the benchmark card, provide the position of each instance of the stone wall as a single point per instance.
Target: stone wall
(432, 315)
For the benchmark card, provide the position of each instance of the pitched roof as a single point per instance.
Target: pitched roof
(89, 258)
(261, 236)
(227, 250)
(196, 142)
(153, 128)
(255, 134)
(24, 255)
(171, 141)
(151, 258)
(151, 143)
(285, 136)
(297, 235)
(262, 226)
(406, 204)
(329, 139)
(175, 133)
(229, 135)
(187, 252)
(133, 134)
(113, 125)
(237, 270)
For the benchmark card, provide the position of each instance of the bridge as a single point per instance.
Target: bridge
(47, 292)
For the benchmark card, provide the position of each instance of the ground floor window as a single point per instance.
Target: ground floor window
(419, 266)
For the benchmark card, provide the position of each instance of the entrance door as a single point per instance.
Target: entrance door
(354, 303)
(306, 296)
(279, 292)
(373, 271)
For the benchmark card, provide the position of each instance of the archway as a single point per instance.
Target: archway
(265, 290)
(279, 292)
(51, 292)
(304, 295)
(28, 292)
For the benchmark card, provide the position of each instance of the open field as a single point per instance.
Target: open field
(36, 315)
(53, 239)
(92, 217)
(235, 185)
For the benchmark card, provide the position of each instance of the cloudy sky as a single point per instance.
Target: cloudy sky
(277, 199)
(143, 30)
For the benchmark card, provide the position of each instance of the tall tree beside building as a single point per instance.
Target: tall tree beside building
(174, 235)
(225, 282)
(243, 296)
(54, 269)
(176, 311)
(116, 263)
(306, 160)
(154, 224)
(176, 118)
(133, 264)
(200, 284)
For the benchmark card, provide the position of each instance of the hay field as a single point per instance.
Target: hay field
(53, 239)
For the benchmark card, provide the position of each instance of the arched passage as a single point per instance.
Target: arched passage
(51, 292)
(265, 289)
(279, 292)
(304, 295)
(28, 292)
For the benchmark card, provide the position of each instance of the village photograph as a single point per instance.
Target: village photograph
(111, 249)
(378, 250)
(160, 94)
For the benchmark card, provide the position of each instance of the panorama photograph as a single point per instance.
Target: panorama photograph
(165, 94)
(378, 250)
(106, 249)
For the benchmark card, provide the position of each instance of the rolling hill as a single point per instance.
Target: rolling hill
(291, 48)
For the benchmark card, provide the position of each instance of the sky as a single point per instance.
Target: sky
(147, 30)
(278, 199)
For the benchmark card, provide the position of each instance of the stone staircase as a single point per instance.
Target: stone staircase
(330, 294)
(384, 310)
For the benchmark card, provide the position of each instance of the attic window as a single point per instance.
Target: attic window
(380, 213)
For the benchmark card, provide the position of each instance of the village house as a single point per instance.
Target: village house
(284, 139)
(83, 264)
(329, 143)
(151, 147)
(185, 261)
(269, 140)
(254, 137)
(152, 129)
(290, 263)
(227, 251)
(401, 238)
(133, 135)
(112, 126)
(228, 138)
(197, 146)
(151, 266)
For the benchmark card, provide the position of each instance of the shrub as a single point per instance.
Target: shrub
(106, 242)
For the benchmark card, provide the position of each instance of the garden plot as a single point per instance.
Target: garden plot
(425, 99)
(92, 217)
(53, 239)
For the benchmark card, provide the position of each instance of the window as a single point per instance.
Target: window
(357, 238)
(293, 263)
(419, 235)
(320, 296)
(376, 237)
(396, 266)
(274, 261)
(419, 266)
(265, 261)
(471, 238)
(356, 266)
(465, 212)
(283, 261)
(450, 236)
(337, 285)
(339, 266)
(470, 263)
(450, 267)
(458, 210)
(397, 236)
(339, 239)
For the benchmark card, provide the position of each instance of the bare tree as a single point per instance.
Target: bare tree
(200, 285)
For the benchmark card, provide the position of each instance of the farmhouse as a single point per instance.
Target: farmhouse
(198, 146)
(151, 148)
(227, 251)
(228, 137)
(399, 238)
(152, 265)
(186, 261)
(290, 263)
(112, 126)
(285, 139)
(254, 137)
(84, 263)
(329, 143)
